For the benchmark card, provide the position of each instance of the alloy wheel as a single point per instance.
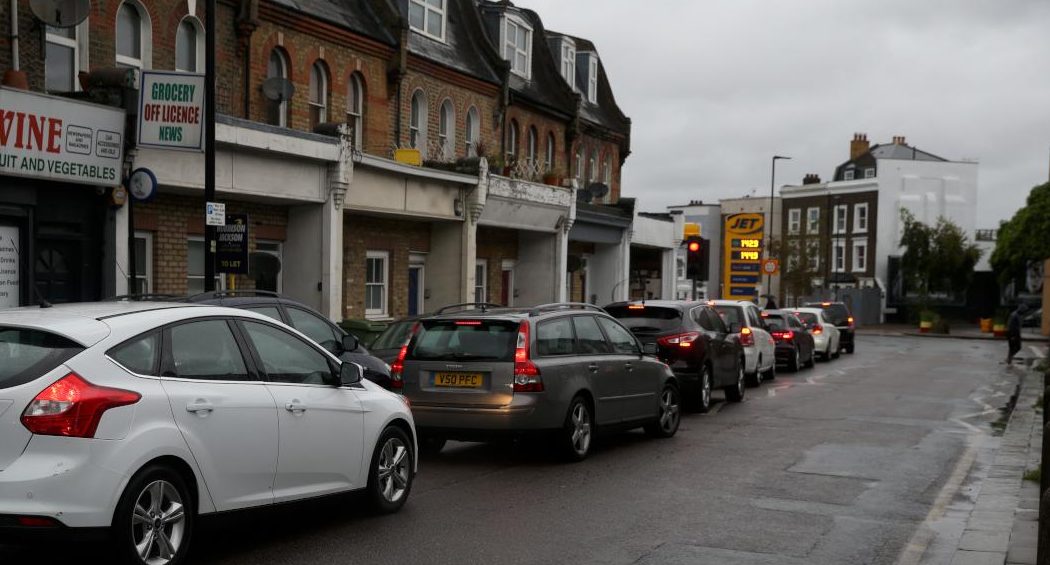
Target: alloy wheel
(158, 523)
(705, 389)
(393, 469)
(669, 411)
(581, 428)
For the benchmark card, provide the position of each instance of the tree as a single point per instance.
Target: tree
(800, 264)
(1025, 237)
(937, 259)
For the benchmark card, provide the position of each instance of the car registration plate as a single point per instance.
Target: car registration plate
(458, 380)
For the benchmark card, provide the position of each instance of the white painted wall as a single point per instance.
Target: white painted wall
(653, 232)
(446, 266)
(536, 273)
(302, 257)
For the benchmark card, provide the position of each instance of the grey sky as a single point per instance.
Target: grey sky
(717, 87)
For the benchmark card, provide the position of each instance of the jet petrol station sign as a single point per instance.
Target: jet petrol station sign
(742, 260)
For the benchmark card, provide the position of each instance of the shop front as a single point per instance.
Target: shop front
(599, 253)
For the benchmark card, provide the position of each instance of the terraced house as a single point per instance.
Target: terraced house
(515, 197)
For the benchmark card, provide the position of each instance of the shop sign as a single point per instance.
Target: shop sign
(9, 264)
(55, 138)
(171, 111)
(742, 255)
(231, 245)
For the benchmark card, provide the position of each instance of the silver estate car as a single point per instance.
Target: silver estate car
(564, 369)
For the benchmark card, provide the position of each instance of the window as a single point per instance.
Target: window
(860, 256)
(512, 141)
(447, 130)
(579, 165)
(517, 46)
(841, 211)
(589, 338)
(62, 59)
(277, 67)
(195, 267)
(530, 146)
(268, 311)
(206, 350)
(143, 263)
(551, 148)
(813, 253)
(318, 94)
(592, 166)
(139, 355)
(869, 173)
(427, 17)
(189, 46)
(417, 124)
(794, 220)
(622, 341)
(592, 79)
(134, 35)
(285, 357)
(568, 62)
(860, 218)
(839, 257)
(473, 132)
(267, 263)
(555, 337)
(355, 109)
(813, 220)
(480, 278)
(607, 172)
(848, 175)
(376, 269)
(315, 328)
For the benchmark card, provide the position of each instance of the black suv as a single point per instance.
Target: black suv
(692, 338)
(305, 319)
(839, 315)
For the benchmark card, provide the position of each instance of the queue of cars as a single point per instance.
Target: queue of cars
(160, 411)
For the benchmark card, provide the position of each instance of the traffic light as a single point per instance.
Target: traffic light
(696, 250)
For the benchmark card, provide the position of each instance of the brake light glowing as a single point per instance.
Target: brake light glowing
(818, 329)
(682, 340)
(849, 321)
(526, 373)
(825, 304)
(784, 335)
(747, 338)
(73, 407)
(468, 322)
(397, 368)
(636, 307)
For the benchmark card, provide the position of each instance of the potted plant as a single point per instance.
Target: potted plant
(999, 323)
(554, 177)
(926, 320)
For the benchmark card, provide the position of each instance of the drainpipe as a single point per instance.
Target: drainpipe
(15, 77)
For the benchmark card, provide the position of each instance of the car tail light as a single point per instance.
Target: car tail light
(784, 335)
(397, 368)
(37, 522)
(682, 340)
(818, 329)
(636, 307)
(73, 407)
(849, 321)
(747, 338)
(526, 373)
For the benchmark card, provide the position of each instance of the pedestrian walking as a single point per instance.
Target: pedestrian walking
(1013, 332)
(771, 304)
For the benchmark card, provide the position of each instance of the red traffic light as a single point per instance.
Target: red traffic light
(694, 246)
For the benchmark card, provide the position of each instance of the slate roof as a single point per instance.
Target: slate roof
(355, 15)
(466, 48)
(606, 113)
(902, 152)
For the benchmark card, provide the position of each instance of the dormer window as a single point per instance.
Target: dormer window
(428, 17)
(517, 45)
(592, 79)
(848, 174)
(568, 62)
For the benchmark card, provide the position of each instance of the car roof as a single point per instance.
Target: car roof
(730, 302)
(809, 310)
(679, 304)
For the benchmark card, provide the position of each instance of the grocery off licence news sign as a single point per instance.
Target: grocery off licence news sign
(171, 111)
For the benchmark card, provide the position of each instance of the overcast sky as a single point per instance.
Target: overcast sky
(715, 88)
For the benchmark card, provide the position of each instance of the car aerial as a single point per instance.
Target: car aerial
(693, 340)
(744, 320)
(840, 316)
(825, 334)
(133, 418)
(344, 345)
(563, 370)
(795, 347)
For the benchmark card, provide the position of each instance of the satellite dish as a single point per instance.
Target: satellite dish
(584, 195)
(598, 189)
(60, 13)
(278, 89)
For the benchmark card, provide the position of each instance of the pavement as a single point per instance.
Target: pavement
(969, 331)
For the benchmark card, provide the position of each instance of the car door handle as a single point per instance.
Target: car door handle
(200, 407)
(593, 367)
(295, 407)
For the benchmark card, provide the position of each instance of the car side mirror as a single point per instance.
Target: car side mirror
(350, 342)
(350, 373)
(650, 348)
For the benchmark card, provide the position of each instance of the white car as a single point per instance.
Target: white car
(138, 417)
(826, 336)
(744, 320)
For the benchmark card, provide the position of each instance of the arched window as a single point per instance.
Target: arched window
(277, 67)
(134, 36)
(318, 94)
(355, 108)
(417, 125)
(189, 46)
(473, 131)
(447, 130)
(531, 146)
(578, 173)
(607, 171)
(512, 141)
(592, 166)
(549, 165)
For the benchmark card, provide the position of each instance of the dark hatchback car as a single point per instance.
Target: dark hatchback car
(794, 344)
(839, 315)
(308, 321)
(692, 338)
(388, 344)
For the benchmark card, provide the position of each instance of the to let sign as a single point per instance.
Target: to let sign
(171, 111)
(55, 138)
(231, 245)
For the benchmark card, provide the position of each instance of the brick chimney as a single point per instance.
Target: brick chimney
(811, 178)
(899, 140)
(858, 146)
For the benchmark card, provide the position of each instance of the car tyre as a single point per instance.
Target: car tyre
(771, 373)
(154, 519)
(577, 433)
(812, 361)
(849, 349)
(705, 390)
(735, 392)
(431, 445)
(391, 471)
(755, 379)
(669, 415)
(794, 362)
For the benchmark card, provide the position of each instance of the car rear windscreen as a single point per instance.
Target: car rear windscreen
(730, 314)
(776, 321)
(808, 318)
(647, 318)
(837, 313)
(27, 354)
(465, 340)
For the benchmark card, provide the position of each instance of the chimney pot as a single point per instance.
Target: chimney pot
(858, 146)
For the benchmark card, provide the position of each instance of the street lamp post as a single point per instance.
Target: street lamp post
(769, 240)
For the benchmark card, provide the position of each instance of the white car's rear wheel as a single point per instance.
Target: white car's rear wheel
(154, 519)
